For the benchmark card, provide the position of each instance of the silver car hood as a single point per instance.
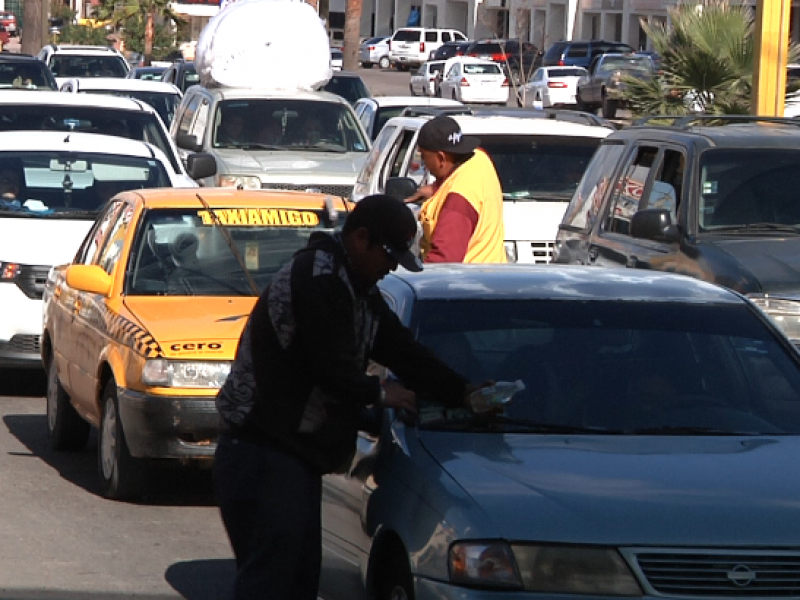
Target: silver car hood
(291, 164)
(667, 490)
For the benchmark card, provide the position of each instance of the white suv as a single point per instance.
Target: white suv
(411, 46)
(66, 61)
(540, 162)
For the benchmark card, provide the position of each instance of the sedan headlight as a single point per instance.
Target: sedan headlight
(185, 374)
(785, 313)
(240, 182)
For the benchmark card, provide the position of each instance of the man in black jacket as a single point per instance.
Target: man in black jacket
(298, 389)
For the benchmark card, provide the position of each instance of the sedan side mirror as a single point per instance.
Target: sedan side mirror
(654, 224)
(185, 141)
(201, 165)
(400, 187)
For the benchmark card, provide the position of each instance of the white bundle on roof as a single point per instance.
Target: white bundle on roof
(278, 44)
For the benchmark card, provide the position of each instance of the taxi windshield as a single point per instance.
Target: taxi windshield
(183, 252)
(71, 184)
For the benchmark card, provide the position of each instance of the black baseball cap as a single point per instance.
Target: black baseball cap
(391, 224)
(443, 134)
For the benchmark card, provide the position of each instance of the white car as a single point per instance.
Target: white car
(53, 184)
(67, 61)
(474, 81)
(90, 113)
(552, 86)
(374, 112)
(162, 96)
(540, 159)
(337, 59)
(374, 51)
(424, 80)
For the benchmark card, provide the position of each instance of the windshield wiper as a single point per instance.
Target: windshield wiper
(319, 148)
(257, 146)
(687, 430)
(756, 227)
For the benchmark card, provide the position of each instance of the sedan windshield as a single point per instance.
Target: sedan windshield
(288, 125)
(185, 252)
(616, 367)
(71, 184)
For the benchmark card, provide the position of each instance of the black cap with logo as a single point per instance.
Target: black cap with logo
(443, 134)
(392, 224)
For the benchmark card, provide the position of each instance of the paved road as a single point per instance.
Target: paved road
(59, 540)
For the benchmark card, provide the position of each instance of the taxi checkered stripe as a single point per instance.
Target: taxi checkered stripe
(127, 332)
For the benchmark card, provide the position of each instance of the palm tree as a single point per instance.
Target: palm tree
(706, 62)
(119, 12)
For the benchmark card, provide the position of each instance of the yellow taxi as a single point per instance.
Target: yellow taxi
(141, 328)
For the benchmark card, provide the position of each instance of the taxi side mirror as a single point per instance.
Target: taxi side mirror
(89, 278)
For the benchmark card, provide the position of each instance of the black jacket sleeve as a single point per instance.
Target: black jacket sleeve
(418, 367)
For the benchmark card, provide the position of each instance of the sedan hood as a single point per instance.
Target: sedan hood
(628, 489)
(292, 165)
(774, 261)
(207, 327)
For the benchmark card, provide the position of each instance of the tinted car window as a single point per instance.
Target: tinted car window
(566, 72)
(431, 36)
(555, 51)
(64, 65)
(349, 88)
(29, 75)
(406, 35)
(165, 104)
(588, 199)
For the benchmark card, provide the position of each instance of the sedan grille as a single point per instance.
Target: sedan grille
(711, 573)
(31, 280)
(323, 188)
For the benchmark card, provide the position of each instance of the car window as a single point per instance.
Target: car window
(459, 36)
(668, 183)
(588, 199)
(367, 114)
(112, 248)
(473, 69)
(182, 252)
(292, 124)
(571, 72)
(416, 169)
(30, 76)
(165, 103)
(93, 242)
(187, 116)
(577, 51)
(627, 197)
(200, 124)
(406, 35)
(399, 158)
(68, 65)
(431, 36)
(382, 141)
(349, 88)
(446, 36)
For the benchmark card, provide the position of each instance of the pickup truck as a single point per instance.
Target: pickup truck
(603, 85)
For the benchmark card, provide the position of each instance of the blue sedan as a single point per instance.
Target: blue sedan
(650, 454)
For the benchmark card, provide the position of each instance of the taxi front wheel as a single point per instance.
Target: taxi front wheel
(122, 476)
(65, 428)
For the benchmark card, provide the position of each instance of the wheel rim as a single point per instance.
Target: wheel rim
(384, 64)
(52, 397)
(108, 440)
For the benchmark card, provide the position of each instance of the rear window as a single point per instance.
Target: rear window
(64, 65)
(26, 76)
(492, 48)
(578, 51)
(555, 51)
(552, 73)
(481, 69)
(406, 35)
(349, 88)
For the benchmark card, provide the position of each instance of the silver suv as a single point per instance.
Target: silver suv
(268, 139)
(66, 61)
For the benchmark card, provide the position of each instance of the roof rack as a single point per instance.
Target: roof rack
(689, 120)
(435, 111)
(573, 116)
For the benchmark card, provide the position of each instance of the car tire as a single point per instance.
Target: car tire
(384, 63)
(366, 65)
(580, 105)
(454, 95)
(609, 108)
(122, 477)
(395, 582)
(65, 428)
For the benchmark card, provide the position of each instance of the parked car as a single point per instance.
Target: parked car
(449, 50)
(147, 73)
(9, 22)
(552, 86)
(348, 85)
(66, 61)
(647, 456)
(424, 80)
(24, 72)
(374, 51)
(604, 83)
(272, 139)
(337, 59)
(579, 53)
(163, 280)
(182, 74)
(539, 155)
(475, 81)
(411, 46)
(714, 202)
(518, 60)
(162, 96)
(375, 112)
(54, 186)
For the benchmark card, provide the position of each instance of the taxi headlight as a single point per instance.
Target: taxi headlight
(575, 570)
(511, 251)
(785, 313)
(240, 182)
(185, 374)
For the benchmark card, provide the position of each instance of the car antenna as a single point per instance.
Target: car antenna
(227, 236)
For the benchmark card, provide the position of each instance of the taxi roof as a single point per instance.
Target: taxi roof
(158, 198)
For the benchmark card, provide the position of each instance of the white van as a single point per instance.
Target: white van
(411, 46)
(540, 162)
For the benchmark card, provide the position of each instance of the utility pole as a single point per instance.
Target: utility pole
(771, 49)
(34, 32)
(352, 32)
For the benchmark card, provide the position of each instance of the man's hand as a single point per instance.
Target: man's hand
(423, 193)
(399, 397)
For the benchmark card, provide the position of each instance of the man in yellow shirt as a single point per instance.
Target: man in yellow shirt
(462, 217)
